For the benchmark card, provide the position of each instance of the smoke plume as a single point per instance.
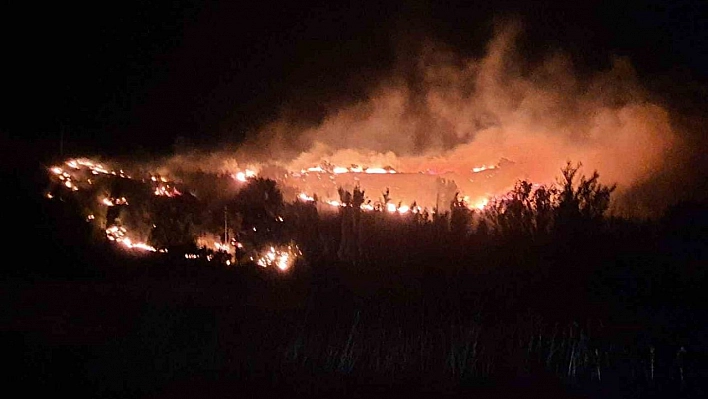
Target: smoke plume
(442, 112)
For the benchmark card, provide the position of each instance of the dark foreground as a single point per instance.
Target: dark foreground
(617, 314)
(190, 333)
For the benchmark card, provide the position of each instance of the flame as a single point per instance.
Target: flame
(340, 169)
(240, 176)
(417, 186)
(72, 180)
(95, 168)
(389, 207)
(480, 204)
(163, 187)
(166, 191)
(483, 168)
(283, 257)
(119, 235)
(244, 175)
(305, 197)
(228, 248)
(114, 202)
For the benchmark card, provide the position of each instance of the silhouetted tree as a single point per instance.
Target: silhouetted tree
(302, 222)
(260, 204)
(386, 197)
(446, 192)
(544, 200)
(581, 205)
(482, 229)
(513, 214)
(173, 221)
(350, 246)
(576, 204)
(460, 218)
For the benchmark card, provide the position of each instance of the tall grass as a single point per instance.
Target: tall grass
(454, 354)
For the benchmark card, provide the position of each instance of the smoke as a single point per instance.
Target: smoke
(443, 112)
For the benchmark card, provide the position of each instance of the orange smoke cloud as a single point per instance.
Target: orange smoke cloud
(451, 113)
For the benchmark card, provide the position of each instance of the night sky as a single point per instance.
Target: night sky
(137, 77)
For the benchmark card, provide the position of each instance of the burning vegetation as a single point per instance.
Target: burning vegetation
(462, 145)
(432, 231)
(153, 213)
(482, 122)
(523, 249)
(249, 220)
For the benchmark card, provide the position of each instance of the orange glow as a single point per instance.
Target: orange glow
(119, 234)
(282, 257)
(340, 169)
(472, 113)
(244, 175)
(166, 191)
(480, 204)
(305, 197)
(483, 168)
(114, 202)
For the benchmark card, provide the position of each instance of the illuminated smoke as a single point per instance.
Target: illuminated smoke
(465, 115)
(447, 115)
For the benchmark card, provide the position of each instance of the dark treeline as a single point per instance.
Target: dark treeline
(541, 293)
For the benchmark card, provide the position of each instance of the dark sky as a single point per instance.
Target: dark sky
(119, 78)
